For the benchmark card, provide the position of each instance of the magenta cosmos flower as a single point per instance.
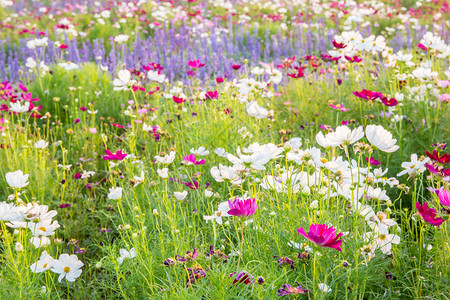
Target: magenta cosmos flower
(242, 208)
(191, 160)
(322, 235)
(111, 156)
(429, 214)
(195, 64)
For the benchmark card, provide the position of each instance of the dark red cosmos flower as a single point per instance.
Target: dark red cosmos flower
(193, 185)
(212, 95)
(77, 176)
(429, 214)
(117, 156)
(236, 67)
(339, 45)
(242, 277)
(329, 58)
(436, 170)
(219, 79)
(389, 102)
(178, 100)
(63, 46)
(443, 159)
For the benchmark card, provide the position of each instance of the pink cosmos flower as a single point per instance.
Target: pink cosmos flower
(191, 160)
(242, 208)
(444, 98)
(322, 235)
(195, 64)
(429, 214)
(111, 156)
(423, 47)
(339, 107)
(444, 197)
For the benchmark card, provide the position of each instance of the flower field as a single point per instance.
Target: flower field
(229, 149)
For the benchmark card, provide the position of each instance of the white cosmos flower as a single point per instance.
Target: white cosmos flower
(115, 193)
(256, 161)
(31, 212)
(377, 193)
(43, 228)
(87, 174)
(166, 159)
(324, 288)
(256, 111)
(40, 242)
(180, 196)
(200, 151)
(155, 76)
(163, 173)
(125, 254)
(415, 166)
(139, 179)
(69, 66)
(123, 82)
(8, 212)
(121, 38)
(18, 108)
(223, 173)
(42, 144)
(382, 241)
(343, 135)
(68, 266)
(381, 138)
(43, 264)
(222, 211)
(220, 152)
(322, 141)
(31, 63)
(17, 179)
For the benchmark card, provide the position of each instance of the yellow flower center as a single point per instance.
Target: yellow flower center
(44, 266)
(42, 229)
(382, 237)
(66, 269)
